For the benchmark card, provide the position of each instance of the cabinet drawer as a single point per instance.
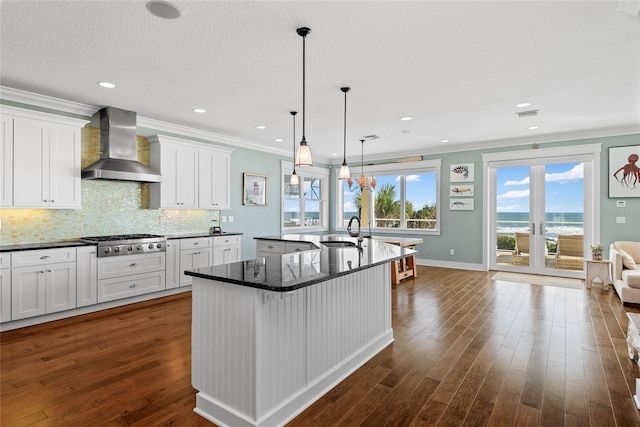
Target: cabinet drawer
(113, 289)
(298, 247)
(5, 260)
(226, 240)
(271, 246)
(131, 264)
(44, 256)
(200, 242)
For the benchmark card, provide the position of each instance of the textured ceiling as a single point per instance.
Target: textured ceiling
(458, 68)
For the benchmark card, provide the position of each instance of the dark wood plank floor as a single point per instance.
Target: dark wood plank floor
(468, 351)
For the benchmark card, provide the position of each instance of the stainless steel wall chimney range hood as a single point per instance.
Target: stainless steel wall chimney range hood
(118, 150)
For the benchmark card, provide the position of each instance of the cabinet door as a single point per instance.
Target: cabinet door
(187, 262)
(173, 272)
(27, 292)
(5, 295)
(226, 254)
(31, 163)
(64, 166)
(60, 287)
(214, 172)
(86, 276)
(6, 161)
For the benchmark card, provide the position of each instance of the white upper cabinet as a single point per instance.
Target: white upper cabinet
(214, 175)
(194, 175)
(46, 159)
(6, 161)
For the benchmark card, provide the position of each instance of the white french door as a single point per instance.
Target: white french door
(542, 213)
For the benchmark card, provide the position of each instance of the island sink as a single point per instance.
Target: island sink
(337, 244)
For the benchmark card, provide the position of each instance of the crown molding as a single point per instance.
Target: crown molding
(153, 125)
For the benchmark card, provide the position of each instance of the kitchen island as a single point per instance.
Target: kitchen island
(270, 336)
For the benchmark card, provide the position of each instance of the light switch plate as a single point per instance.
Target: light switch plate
(621, 220)
(621, 203)
(230, 219)
(224, 219)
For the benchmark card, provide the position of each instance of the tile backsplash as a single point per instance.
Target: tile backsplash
(108, 207)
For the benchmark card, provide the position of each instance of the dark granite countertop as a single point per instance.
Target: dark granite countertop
(46, 245)
(199, 234)
(288, 272)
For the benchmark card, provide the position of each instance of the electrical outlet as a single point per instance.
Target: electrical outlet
(452, 252)
(230, 219)
(269, 296)
(224, 219)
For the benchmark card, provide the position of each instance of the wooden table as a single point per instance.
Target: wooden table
(406, 267)
(598, 269)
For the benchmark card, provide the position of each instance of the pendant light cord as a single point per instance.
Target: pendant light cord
(304, 39)
(344, 150)
(293, 117)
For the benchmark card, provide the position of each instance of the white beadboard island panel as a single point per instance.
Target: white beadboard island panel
(261, 360)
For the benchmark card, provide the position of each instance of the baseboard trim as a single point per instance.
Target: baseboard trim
(452, 264)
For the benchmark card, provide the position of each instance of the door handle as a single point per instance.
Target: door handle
(541, 228)
(533, 226)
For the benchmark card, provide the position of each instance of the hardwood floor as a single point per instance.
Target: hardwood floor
(468, 351)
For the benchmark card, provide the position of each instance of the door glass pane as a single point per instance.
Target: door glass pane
(512, 216)
(564, 216)
(420, 208)
(386, 202)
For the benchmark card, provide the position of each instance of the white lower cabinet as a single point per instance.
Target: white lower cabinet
(194, 253)
(172, 269)
(87, 276)
(128, 286)
(42, 289)
(5, 287)
(226, 249)
(127, 276)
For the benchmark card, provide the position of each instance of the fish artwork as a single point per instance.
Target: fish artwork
(460, 190)
(462, 170)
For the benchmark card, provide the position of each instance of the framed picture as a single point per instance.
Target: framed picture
(624, 172)
(462, 190)
(460, 204)
(254, 189)
(461, 172)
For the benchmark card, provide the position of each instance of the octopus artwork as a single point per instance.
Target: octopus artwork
(630, 172)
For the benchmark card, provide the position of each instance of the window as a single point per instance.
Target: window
(405, 198)
(304, 207)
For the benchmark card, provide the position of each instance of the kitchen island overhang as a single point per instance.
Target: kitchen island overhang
(270, 336)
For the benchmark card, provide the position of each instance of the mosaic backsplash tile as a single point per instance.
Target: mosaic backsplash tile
(108, 207)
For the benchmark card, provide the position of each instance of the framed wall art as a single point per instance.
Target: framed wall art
(461, 204)
(254, 189)
(624, 172)
(461, 172)
(462, 190)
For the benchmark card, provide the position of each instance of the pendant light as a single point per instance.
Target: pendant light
(362, 181)
(345, 173)
(303, 158)
(295, 180)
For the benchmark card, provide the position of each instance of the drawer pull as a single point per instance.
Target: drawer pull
(48, 271)
(45, 257)
(270, 247)
(298, 250)
(133, 286)
(41, 271)
(195, 243)
(134, 265)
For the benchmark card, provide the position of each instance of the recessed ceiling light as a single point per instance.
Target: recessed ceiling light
(199, 110)
(524, 104)
(532, 127)
(444, 140)
(107, 85)
(261, 127)
(163, 9)
(405, 131)
(334, 154)
(279, 140)
(406, 118)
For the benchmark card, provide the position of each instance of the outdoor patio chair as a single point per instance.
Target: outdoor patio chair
(570, 252)
(521, 252)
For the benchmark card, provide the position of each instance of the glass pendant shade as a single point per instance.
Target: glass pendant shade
(344, 173)
(303, 158)
(295, 180)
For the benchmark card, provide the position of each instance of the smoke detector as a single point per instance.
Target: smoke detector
(529, 113)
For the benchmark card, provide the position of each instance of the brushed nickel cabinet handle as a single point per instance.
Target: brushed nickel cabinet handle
(133, 285)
